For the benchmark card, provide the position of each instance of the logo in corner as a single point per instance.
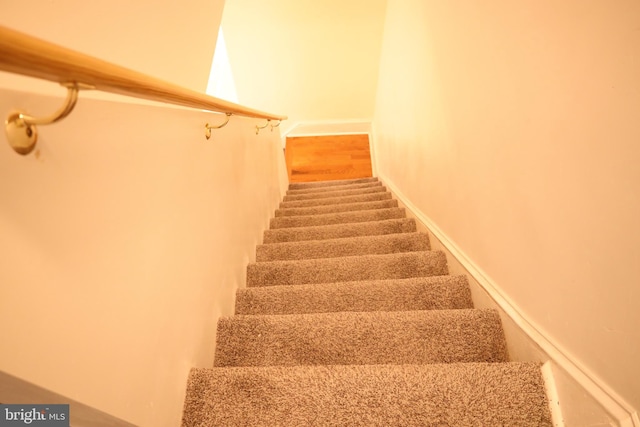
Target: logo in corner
(34, 415)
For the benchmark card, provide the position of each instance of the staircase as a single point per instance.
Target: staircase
(349, 319)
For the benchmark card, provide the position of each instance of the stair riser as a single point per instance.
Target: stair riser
(411, 337)
(367, 267)
(429, 293)
(337, 218)
(367, 245)
(405, 225)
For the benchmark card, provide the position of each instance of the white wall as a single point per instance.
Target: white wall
(170, 40)
(124, 237)
(311, 60)
(513, 127)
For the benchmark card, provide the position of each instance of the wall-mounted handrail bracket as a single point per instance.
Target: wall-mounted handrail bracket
(262, 127)
(275, 126)
(208, 127)
(21, 129)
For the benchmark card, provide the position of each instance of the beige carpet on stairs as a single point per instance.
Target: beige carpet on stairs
(349, 319)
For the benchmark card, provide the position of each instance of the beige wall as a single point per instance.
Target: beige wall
(311, 60)
(170, 40)
(513, 126)
(124, 237)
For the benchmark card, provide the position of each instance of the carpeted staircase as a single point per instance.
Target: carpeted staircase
(348, 319)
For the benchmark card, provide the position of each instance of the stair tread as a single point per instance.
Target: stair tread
(341, 207)
(416, 293)
(360, 198)
(350, 268)
(333, 231)
(334, 188)
(328, 248)
(334, 193)
(471, 394)
(336, 218)
(366, 338)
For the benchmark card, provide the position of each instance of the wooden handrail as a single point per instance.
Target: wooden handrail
(29, 56)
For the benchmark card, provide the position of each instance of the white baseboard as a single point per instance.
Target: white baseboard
(552, 394)
(570, 369)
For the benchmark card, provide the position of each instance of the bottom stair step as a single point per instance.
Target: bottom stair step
(475, 394)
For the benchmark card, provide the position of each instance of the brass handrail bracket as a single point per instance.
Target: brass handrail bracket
(275, 126)
(208, 127)
(21, 129)
(262, 127)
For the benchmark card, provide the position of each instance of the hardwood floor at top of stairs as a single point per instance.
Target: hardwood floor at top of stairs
(350, 319)
(329, 157)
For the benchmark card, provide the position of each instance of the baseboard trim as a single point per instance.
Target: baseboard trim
(611, 402)
(552, 394)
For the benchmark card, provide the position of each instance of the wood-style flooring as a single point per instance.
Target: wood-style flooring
(321, 158)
